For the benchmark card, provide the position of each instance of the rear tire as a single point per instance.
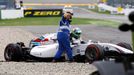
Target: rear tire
(125, 45)
(13, 52)
(95, 73)
(94, 52)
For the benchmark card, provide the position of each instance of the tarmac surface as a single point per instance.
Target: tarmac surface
(81, 12)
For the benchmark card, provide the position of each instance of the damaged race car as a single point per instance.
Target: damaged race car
(82, 51)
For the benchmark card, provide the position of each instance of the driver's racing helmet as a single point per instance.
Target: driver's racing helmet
(76, 33)
(41, 37)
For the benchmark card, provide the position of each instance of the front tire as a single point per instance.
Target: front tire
(94, 52)
(13, 52)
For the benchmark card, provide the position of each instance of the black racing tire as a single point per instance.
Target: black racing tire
(125, 45)
(79, 58)
(94, 52)
(95, 73)
(13, 52)
(21, 44)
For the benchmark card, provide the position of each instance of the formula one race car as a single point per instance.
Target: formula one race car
(82, 51)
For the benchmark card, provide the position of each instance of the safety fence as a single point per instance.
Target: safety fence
(7, 4)
(13, 13)
(115, 10)
(43, 13)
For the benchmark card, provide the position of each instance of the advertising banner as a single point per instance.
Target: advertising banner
(43, 13)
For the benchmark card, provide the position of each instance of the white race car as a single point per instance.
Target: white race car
(82, 51)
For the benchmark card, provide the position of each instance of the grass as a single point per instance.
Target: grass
(95, 22)
(30, 21)
(55, 21)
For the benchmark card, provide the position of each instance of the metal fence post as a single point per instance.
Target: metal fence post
(0, 14)
(133, 39)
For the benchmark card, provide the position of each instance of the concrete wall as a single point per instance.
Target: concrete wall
(125, 11)
(11, 14)
(128, 11)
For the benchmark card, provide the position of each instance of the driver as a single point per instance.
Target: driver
(75, 35)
